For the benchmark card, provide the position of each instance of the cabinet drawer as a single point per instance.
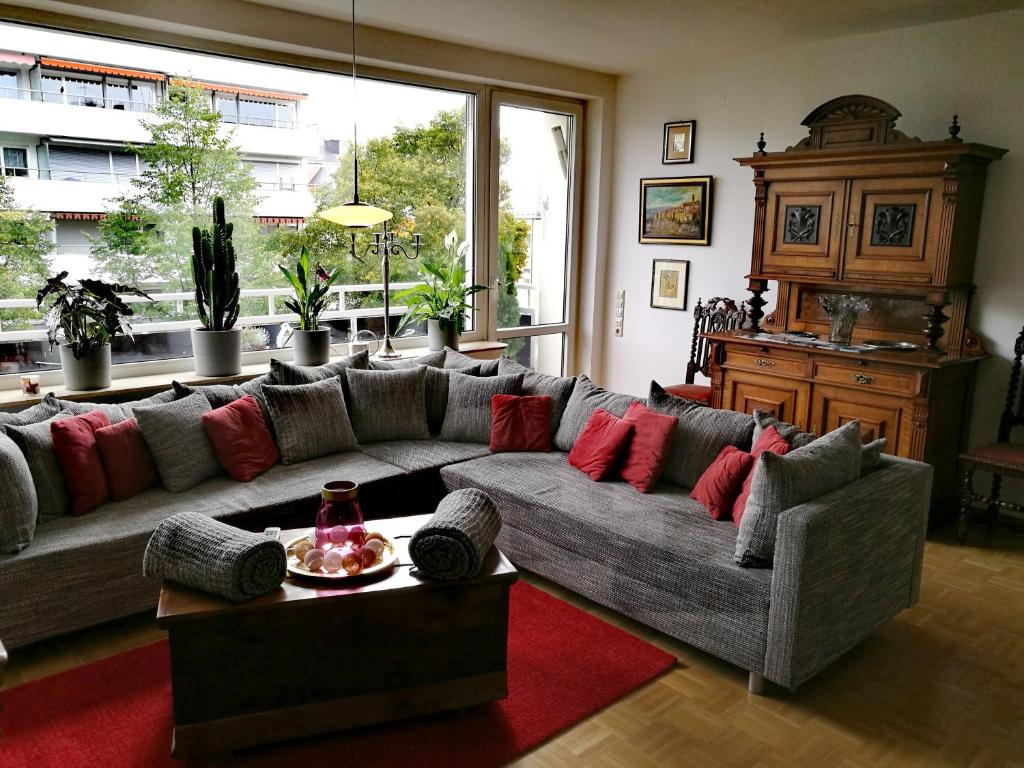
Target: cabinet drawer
(864, 377)
(766, 362)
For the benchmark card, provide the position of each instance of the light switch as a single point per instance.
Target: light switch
(620, 310)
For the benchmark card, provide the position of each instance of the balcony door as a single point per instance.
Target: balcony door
(534, 227)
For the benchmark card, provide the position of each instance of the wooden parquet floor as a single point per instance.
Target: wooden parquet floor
(941, 685)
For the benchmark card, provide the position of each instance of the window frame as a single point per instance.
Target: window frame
(27, 168)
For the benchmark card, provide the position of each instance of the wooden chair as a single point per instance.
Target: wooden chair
(719, 314)
(1002, 458)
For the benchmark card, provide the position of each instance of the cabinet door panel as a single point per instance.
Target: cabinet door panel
(785, 398)
(879, 416)
(893, 232)
(803, 227)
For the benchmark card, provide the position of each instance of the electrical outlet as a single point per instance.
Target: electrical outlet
(620, 310)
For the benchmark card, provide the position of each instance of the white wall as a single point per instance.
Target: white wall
(973, 67)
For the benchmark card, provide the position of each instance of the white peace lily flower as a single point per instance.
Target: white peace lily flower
(449, 240)
(463, 249)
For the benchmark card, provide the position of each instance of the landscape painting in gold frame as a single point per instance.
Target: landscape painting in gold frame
(676, 211)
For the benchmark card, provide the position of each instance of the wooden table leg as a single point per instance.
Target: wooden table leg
(992, 510)
(966, 497)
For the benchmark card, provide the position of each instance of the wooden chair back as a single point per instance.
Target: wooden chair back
(719, 314)
(1013, 412)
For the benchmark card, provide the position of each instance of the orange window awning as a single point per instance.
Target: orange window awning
(76, 216)
(280, 219)
(240, 90)
(99, 69)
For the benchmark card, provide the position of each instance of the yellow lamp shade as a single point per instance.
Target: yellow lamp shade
(355, 215)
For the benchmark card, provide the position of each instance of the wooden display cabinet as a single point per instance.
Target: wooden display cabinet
(859, 208)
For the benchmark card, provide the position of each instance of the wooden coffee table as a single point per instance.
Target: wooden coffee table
(310, 658)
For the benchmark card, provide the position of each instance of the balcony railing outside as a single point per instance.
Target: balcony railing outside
(113, 177)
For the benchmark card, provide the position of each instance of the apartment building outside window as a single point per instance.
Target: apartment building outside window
(8, 84)
(125, 94)
(15, 161)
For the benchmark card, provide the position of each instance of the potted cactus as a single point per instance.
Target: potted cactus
(217, 346)
(312, 285)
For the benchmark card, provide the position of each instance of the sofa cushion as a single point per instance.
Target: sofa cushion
(431, 359)
(587, 397)
(74, 445)
(520, 423)
(241, 439)
(468, 417)
(657, 557)
(104, 549)
(558, 388)
(310, 420)
(601, 444)
(218, 395)
(20, 507)
(437, 393)
(389, 405)
(647, 453)
(721, 483)
(127, 463)
(871, 453)
(455, 359)
(769, 441)
(177, 441)
(167, 396)
(48, 408)
(36, 444)
(700, 435)
(283, 372)
(419, 455)
(114, 411)
(782, 482)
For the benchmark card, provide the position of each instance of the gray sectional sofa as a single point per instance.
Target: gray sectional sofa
(845, 562)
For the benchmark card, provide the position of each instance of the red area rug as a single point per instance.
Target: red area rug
(563, 665)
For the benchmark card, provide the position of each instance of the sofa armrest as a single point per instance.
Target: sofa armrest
(845, 563)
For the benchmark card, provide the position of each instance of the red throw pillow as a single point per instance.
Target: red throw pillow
(648, 450)
(770, 441)
(127, 464)
(240, 439)
(718, 487)
(74, 445)
(520, 423)
(600, 445)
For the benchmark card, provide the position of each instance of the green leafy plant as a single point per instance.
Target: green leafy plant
(445, 295)
(312, 286)
(86, 315)
(213, 268)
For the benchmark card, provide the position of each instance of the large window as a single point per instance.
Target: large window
(127, 216)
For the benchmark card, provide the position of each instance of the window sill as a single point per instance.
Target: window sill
(128, 387)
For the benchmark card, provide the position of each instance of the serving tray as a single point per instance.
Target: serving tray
(388, 559)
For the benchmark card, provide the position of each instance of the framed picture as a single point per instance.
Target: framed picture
(676, 211)
(679, 137)
(669, 280)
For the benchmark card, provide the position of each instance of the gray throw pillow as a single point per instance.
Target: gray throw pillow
(468, 418)
(177, 439)
(871, 453)
(457, 360)
(282, 372)
(310, 420)
(218, 395)
(37, 446)
(47, 409)
(167, 396)
(389, 405)
(432, 359)
(700, 435)
(20, 506)
(558, 388)
(586, 398)
(114, 411)
(783, 482)
(437, 393)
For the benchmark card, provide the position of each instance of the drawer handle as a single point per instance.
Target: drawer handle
(764, 363)
(863, 378)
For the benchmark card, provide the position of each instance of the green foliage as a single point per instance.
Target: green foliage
(312, 286)
(25, 247)
(87, 315)
(445, 295)
(214, 273)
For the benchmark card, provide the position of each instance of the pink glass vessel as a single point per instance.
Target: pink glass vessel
(339, 507)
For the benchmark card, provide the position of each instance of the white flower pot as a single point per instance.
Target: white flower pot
(92, 371)
(217, 353)
(312, 347)
(439, 337)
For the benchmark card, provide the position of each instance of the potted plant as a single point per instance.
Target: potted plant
(443, 300)
(312, 285)
(83, 318)
(217, 346)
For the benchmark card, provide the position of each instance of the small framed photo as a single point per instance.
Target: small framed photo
(669, 282)
(679, 138)
(676, 211)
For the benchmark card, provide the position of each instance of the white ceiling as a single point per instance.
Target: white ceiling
(622, 36)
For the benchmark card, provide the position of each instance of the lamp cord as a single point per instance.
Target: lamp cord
(355, 113)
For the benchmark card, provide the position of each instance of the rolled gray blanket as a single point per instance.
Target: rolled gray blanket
(453, 542)
(201, 552)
